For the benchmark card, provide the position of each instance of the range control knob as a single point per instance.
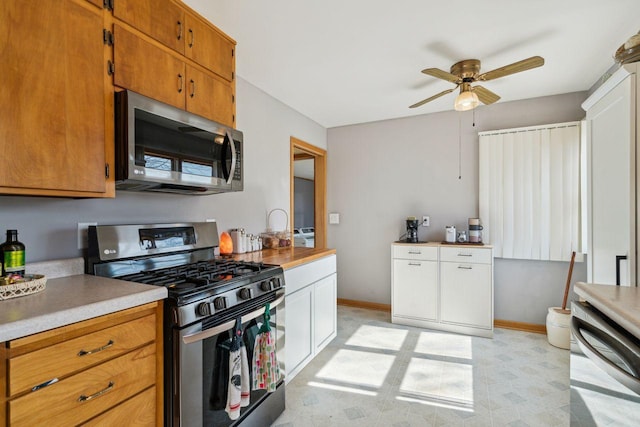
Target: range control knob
(265, 285)
(277, 282)
(220, 303)
(245, 293)
(204, 309)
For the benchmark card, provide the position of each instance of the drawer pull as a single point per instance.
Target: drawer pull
(465, 254)
(462, 267)
(415, 252)
(416, 264)
(95, 350)
(179, 25)
(44, 384)
(84, 398)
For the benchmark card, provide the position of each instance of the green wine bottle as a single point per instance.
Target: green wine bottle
(12, 254)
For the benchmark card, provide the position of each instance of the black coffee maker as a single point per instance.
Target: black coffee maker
(412, 230)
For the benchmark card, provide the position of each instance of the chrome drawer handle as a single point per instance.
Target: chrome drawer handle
(416, 264)
(462, 267)
(44, 384)
(415, 253)
(465, 254)
(84, 398)
(95, 350)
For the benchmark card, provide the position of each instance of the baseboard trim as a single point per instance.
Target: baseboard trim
(364, 304)
(497, 323)
(520, 326)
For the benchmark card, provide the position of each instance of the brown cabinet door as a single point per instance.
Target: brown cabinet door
(52, 109)
(148, 70)
(162, 20)
(208, 47)
(209, 96)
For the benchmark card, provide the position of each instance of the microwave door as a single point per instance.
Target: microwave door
(229, 169)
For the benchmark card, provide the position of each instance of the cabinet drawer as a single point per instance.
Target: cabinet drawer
(140, 410)
(87, 394)
(426, 253)
(466, 254)
(60, 360)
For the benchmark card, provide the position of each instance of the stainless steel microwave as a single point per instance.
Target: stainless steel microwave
(166, 149)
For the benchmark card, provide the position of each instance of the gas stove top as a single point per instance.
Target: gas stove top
(181, 258)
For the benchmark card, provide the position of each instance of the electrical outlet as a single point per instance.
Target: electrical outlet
(425, 221)
(83, 236)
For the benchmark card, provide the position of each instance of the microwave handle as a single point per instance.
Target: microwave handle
(234, 156)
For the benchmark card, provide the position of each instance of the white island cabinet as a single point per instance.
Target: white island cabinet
(310, 311)
(444, 287)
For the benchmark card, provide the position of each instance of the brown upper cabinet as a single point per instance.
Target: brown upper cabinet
(52, 100)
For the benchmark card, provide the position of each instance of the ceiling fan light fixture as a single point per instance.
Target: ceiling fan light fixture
(466, 101)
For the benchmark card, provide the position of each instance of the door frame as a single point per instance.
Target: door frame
(319, 186)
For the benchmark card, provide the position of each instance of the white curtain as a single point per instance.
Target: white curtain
(530, 191)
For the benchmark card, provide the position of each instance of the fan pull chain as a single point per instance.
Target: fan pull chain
(459, 146)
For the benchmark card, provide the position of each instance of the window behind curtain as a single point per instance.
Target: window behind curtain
(530, 191)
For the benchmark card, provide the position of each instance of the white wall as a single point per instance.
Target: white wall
(379, 173)
(48, 226)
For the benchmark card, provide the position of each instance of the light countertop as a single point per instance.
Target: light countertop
(442, 244)
(620, 303)
(71, 299)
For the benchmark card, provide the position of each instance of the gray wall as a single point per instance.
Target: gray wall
(48, 226)
(379, 173)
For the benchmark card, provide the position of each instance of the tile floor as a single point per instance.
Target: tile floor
(376, 373)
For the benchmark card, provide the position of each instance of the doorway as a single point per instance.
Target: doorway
(308, 170)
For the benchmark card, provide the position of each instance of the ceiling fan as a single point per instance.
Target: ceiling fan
(466, 72)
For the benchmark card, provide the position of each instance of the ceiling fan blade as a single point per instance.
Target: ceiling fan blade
(438, 73)
(424, 101)
(485, 95)
(516, 67)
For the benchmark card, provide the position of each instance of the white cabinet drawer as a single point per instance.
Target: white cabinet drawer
(466, 254)
(426, 253)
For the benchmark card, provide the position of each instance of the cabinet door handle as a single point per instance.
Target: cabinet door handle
(179, 25)
(95, 350)
(192, 37)
(462, 267)
(84, 398)
(193, 88)
(618, 259)
(465, 254)
(415, 264)
(180, 83)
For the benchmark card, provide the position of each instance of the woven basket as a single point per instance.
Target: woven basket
(32, 283)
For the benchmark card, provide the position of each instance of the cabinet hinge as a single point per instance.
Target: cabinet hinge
(233, 118)
(107, 37)
(233, 99)
(233, 51)
(107, 4)
(111, 67)
(106, 170)
(233, 75)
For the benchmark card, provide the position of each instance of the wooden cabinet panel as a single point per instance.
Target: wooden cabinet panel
(63, 359)
(209, 97)
(107, 385)
(147, 69)
(209, 48)
(52, 109)
(99, 3)
(136, 412)
(162, 20)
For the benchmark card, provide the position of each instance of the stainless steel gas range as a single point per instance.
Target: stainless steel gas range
(211, 299)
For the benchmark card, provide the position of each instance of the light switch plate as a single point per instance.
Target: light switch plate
(334, 218)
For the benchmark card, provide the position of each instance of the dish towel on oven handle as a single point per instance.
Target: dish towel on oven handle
(266, 372)
(238, 392)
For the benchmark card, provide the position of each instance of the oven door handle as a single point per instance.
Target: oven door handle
(629, 357)
(207, 333)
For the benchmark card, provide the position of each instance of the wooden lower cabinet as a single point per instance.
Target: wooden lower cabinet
(98, 372)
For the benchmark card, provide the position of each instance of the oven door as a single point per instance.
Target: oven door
(604, 371)
(200, 368)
